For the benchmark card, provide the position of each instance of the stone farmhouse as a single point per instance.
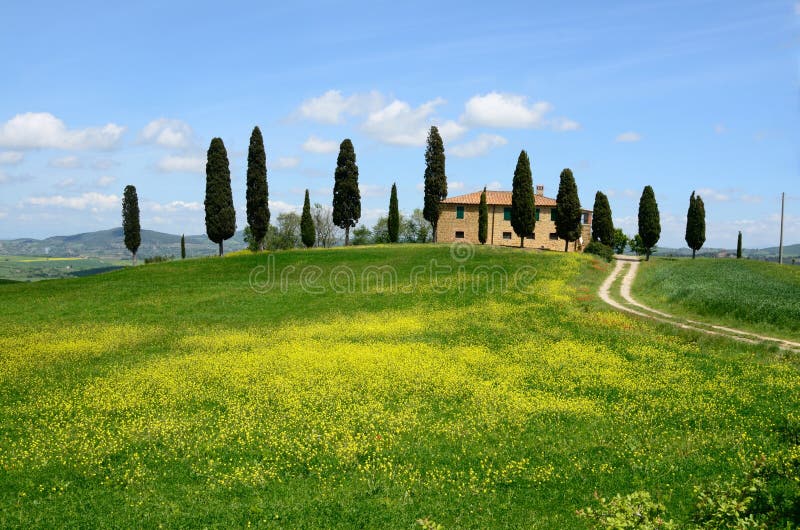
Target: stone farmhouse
(459, 222)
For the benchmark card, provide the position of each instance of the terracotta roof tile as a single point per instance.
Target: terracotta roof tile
(500, 198)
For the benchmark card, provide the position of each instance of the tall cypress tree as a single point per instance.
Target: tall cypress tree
(257, 191)
(183, 246)
(307, 231)
(130, 221)
(523, 215)
(346, 196)
(739, 246)
(435, 179)
(483, 219)
(568, 216)
(393, 222)
(695, 224)
(649, 221)
(220, 215)
(602, 225)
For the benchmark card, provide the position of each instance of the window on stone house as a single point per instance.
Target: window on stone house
(459, 212)
(506, 214)
(459, 235)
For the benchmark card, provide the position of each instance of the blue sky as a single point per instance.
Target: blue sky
(681, 95)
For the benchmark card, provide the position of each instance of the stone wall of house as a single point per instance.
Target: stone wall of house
(500, 232)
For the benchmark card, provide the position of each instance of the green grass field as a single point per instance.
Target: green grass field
(33, 268)
(177, 395)
(753, 295)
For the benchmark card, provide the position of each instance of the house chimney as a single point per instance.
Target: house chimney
(539, 190)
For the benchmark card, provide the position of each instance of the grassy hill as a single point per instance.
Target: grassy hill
(196, 394)
(754, 295)
(110, 244)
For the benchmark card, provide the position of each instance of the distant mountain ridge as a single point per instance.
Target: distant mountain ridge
(110, 244)
(769, 253)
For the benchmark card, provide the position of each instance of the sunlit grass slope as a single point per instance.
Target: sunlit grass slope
(176, 395)
(756, 295)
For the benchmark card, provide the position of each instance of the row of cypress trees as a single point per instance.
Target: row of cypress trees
(220, 215)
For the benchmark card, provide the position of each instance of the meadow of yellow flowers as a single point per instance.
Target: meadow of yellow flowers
(176, 395)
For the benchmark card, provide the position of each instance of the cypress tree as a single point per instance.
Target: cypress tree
(183, 246)
(220, 215)
(483, 218)
(257, 191)
(393, 223)
(739, 246)
(346, 196)
(130, 221)
(568, 217)
(695, 224)
(523, 215)
(649, 221)
(602, 225)
(435, 179)
(307, 231)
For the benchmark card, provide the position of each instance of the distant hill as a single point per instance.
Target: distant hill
(769, 254)
(110, 244)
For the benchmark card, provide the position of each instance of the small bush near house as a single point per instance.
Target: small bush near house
(599, 249)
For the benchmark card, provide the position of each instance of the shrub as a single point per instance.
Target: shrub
(599, 249)
(636, 510)
(767, 497)
(157, 259)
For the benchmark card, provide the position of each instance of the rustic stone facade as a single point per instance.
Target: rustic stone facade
(459, 222)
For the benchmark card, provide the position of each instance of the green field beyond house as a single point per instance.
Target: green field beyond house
(337, 396)
(34, 268)
(751, 295)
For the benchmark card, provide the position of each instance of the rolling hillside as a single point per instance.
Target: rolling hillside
(110, 244)
(371, 387)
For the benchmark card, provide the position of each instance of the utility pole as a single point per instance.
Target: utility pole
(780, 247)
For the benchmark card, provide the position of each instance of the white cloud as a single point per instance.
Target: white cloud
(318, 145)
(720, 128)
(331, 106)
(11, 157)
(174, 206)
(3, 214)
(286, 162)
(797, 8)
(479, 146)
(494, 185)
(497, 109)
(182, 164)
(564, 124)
(276, 207)
(629, 136)
(66, 162)
(166, 132)
(92, 201)
(713, 195)
(399, 124)
(66, 183)
(455, 185)
(43, 130)
(105, 180)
